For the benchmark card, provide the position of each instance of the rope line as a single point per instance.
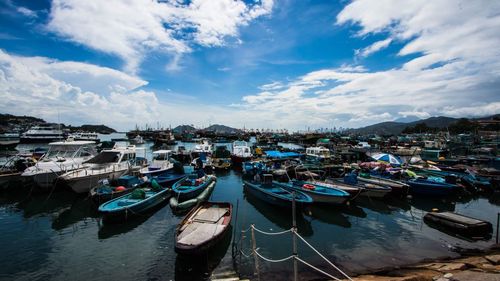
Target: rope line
(317, 269)
(317, 252)
(270, 260)
(270, 233)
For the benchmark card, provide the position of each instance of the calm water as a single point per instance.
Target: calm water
(60, 237)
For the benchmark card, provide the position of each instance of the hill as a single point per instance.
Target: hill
(184, 129)
(101, 129)
(222, 129)
(395, 128)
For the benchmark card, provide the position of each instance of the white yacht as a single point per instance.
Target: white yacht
(60, 158)
(9, 139)
(85, 136)
(137, 140)
(160, 164)
(42, 134)
(318, 153)
(203, 146)
(241, 152)
(110, 164)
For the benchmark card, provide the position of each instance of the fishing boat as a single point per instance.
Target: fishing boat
(203, 146)
(137, 140)
(241, 152)
(108, 189)
(42, 134)
(85, 136)
(191, 186)
(318, 154)
(425, 186)
(61, 157)
(110, 164)
(184, 205)
(203, 227)
(160, 164)
(168, 179)
(9, 140)
(397, 187)
(221, 158)
(354, 191)
(275, 194)
(319, 194)
(138, 202)
(369, 189)
(12, 168)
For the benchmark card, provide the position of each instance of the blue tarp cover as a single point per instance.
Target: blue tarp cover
(278, 154)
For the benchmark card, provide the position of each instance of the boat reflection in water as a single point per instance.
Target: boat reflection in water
(45, 204)
(189, 267)
(81, 209)
(328, 214)
(280, 216)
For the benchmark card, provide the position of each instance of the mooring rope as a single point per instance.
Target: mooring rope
(270, 233)
(270, 260)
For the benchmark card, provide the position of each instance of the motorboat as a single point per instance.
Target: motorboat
(241, 152)
(60, 158)
(42, 134)
(85, 136)
(110, 164)
(161, 163)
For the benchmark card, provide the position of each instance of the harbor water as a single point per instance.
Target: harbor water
(59, 236)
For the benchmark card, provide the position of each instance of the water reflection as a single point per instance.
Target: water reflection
(429, 203)
(81, 209)
(328, 214)
(282, 217)
(46, 204)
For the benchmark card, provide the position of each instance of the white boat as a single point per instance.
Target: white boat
(9, 139)
(318, 153)
(160, 164)
(241, 152)
(60, 158)
(42, 134)
(110, 164)
(85, 136)
(137, 140)
(203, 146)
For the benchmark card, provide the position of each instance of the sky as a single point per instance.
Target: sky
(248, 64)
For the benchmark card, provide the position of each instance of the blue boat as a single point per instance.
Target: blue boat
(140, 201)
(277, 195)
(168, 179)
(113, 188)
(191, 186)
(429, 187)
(319, 194)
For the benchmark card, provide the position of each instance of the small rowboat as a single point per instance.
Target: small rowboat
(203, 227)
(138, 202)
(319, 194)
(429, 187)
(112, 188)
(277, 195)
(191, 186)
(397, 187)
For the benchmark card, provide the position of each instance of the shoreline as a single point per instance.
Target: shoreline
(473, 264)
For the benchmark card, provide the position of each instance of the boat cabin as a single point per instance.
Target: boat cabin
(318, 152)
(70, 149)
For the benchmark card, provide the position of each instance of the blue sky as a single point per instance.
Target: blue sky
(258, 64)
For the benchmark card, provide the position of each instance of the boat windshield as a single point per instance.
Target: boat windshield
(162, 156)
(105, 157)
(61, 151)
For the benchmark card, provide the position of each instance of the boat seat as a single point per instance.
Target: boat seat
(126, 202)
(197, 233)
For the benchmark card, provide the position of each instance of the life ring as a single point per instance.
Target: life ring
(308, 186)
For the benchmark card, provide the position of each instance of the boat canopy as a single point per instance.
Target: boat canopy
(279, 154)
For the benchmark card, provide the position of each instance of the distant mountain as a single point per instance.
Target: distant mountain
(222, 129)
(407, 119)
(184, 128)
(101, 129)
(395, 128)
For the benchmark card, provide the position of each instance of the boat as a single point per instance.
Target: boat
(165, 138)
(60, 158)
(191, 186)
(108, 189)
(241, 152)
(318, 154)
(426, 186)
(110, 164)
(275, 194)
(459, 224)
(169, 178)
(187, 204)
(42, 134)
(369, 189)
(160, 164)
(221, 158)
(85, 136)
(12, 168)
(319, 194)
(354, 191)
(397, 187)
(138, 202)
(203, 146)
(137, 140)
(203, 227)
(9, 140)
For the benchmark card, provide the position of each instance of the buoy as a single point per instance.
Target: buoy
(308, 186)
(120, 188)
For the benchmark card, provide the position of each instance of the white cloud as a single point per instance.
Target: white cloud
(373, 48)
(131, 29)
(456, 71)
(27, 12)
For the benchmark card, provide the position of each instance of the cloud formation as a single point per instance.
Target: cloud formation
(455, 70)
(131, 29)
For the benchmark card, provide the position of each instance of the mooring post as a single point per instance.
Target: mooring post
(294, 238)
(498, 222)
(255, 258)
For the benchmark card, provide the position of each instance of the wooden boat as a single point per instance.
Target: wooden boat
(191, 186)
(113, 188)
(459, 224)
(428, 187)
(277, 195)
(397, 187)
(203, 228)
(140, 201)
(319, 194)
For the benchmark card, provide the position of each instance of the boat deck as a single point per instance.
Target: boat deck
(203, 225)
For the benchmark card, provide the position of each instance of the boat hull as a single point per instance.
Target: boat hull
(85, 183)
(434, 189)
(321, 197)
(182, 195)
(268, 197)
